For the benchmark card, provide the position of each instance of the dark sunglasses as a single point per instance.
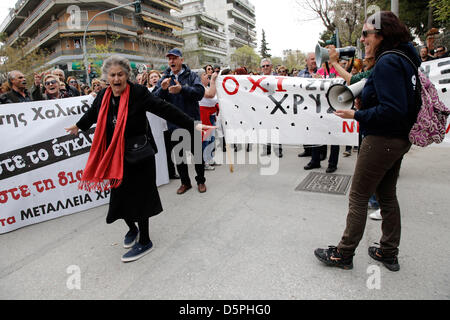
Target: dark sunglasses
(440, 50)
(365, 33)
(265, 66)
(48, 83)
(73, 81)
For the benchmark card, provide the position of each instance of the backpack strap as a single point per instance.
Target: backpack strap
(418, 91)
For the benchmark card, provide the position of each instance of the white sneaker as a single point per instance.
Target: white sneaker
(209, 167)
(376, 215)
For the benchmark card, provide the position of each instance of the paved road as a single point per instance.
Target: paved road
(250, 236)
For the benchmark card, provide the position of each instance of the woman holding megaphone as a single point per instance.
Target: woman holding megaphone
(388, 111)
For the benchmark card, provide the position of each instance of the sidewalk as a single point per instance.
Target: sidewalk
(249, 236)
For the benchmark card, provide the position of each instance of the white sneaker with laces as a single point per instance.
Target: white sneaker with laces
(376, 215)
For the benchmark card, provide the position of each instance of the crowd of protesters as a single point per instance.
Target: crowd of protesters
(193, 92)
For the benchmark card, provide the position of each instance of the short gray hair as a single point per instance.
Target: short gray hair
(12, 75)
(200, 72)
(116, 60)
(265, 59)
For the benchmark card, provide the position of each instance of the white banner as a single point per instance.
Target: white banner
(41, 165)
(293, 110)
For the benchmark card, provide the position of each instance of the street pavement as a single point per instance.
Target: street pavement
(250, 236)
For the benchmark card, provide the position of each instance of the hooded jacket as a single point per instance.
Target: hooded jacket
(192, 91)
(389, 106)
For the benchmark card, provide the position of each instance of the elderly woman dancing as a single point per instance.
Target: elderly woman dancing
(119, 112)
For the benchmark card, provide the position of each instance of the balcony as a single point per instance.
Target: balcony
(235, 12)
(96, 26)
(169, 4)
(214, 49)
(44, 6)
(212, 33)
(243, 28)
(247, 5)
(239, 41)
(161, 15)
(49, 32)
(17, 14)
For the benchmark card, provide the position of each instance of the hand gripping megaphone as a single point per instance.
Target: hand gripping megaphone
(322, 54)
(341, 97)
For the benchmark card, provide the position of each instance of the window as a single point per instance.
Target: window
(77, 43)
(84, 16)
(117, 18)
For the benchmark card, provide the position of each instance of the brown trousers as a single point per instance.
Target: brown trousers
(376, 171)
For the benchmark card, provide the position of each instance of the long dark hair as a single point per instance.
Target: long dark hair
(393, 30)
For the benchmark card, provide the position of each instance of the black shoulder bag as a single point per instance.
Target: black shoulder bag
(138, 148)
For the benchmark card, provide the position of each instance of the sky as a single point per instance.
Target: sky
(284, 23)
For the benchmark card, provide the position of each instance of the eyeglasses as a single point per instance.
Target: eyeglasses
(439, 51)
(48, 83)
(365, 33)
(73, 81)
(265, 66)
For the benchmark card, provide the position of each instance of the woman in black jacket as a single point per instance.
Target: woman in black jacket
(119, 112)
(388, 111)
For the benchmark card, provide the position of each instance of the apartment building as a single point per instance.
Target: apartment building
(204, 36)
(58, 26)
(214, 29)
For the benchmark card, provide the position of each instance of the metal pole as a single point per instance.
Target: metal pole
(86, 64)
(365, 10)
(394, 7)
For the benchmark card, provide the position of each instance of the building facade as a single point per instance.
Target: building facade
(58, 27)
(204, 36)
(223, 24)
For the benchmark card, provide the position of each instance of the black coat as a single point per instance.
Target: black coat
(14, 97)
(192, 91)
(137, 197)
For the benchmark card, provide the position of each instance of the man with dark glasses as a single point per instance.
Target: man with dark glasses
(51, 85)
(441, 52)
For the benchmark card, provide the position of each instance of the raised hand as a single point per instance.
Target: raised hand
(176, 88)
(165, 83)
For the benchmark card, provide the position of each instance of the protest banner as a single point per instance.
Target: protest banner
(41, 165)
(293, 110)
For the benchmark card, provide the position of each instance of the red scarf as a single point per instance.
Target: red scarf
(104, 168)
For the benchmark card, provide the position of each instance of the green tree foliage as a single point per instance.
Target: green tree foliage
(294, 59)
(98, 52)
(245, 56)
(264, 51)
(441, 11)
(415, 14)
(345, 15)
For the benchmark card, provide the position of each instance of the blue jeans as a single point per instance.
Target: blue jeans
(373, 203)
(209, 155)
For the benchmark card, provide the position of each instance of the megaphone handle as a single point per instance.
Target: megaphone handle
(328, 68)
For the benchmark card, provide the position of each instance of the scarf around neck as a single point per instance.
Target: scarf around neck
(104, 168)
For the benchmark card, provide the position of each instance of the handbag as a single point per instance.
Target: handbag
(138, 148)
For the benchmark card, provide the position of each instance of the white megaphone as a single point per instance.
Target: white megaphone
(322, 54)
(341, 97)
